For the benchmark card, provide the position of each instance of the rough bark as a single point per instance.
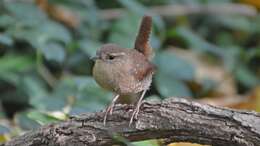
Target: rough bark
(173, 119)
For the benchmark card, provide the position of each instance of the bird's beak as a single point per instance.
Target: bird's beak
(95, 58)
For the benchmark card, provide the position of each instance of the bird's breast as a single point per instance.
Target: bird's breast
(119, 77)
(103, 74)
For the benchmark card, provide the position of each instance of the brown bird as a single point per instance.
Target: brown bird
(127, 72)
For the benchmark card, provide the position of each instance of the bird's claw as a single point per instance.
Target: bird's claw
(108, 110)
(135, 113)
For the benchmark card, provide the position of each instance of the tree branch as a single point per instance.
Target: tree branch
(173, 119)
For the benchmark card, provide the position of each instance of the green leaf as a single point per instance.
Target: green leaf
(170, 64)
(90, 96)
(239, 23)
(48, 103)
(6, 40)
(89, 47)
(168, 86)
(147, 143)
(54, 31)
(38, 36)
(246, 77)
(225, 38)
(26, 13)
(41, 118)
(15, 63)
(138, 9)
(53, 51)
(6, 20)
(133, 5)
(252, 52)
(11, 65)
(257, 23)
(124, 31)
(33, 86)
(197, 43)
(217, 2)
(54, 101)
(4, 130)
(88, 12)
(24, 122)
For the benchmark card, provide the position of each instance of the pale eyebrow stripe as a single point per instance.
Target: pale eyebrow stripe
(118, 54)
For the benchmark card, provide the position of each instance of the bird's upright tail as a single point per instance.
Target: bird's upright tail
(142, 40)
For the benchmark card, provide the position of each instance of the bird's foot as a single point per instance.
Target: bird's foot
(109, 110)
(135, 113)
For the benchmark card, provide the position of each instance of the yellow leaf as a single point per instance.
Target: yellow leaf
(257, 96)
(255, 3)
(4, 138)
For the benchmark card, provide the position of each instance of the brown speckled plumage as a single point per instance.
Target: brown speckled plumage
(127, 74)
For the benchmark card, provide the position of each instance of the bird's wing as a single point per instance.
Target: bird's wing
(142, 68)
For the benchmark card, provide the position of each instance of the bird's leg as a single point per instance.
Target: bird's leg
(137, 108)
(110, 108)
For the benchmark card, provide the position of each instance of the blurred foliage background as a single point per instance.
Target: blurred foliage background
(206, 50)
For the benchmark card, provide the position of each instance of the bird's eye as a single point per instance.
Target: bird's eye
(110, 57)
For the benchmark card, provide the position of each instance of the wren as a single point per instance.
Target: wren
(124, 71)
